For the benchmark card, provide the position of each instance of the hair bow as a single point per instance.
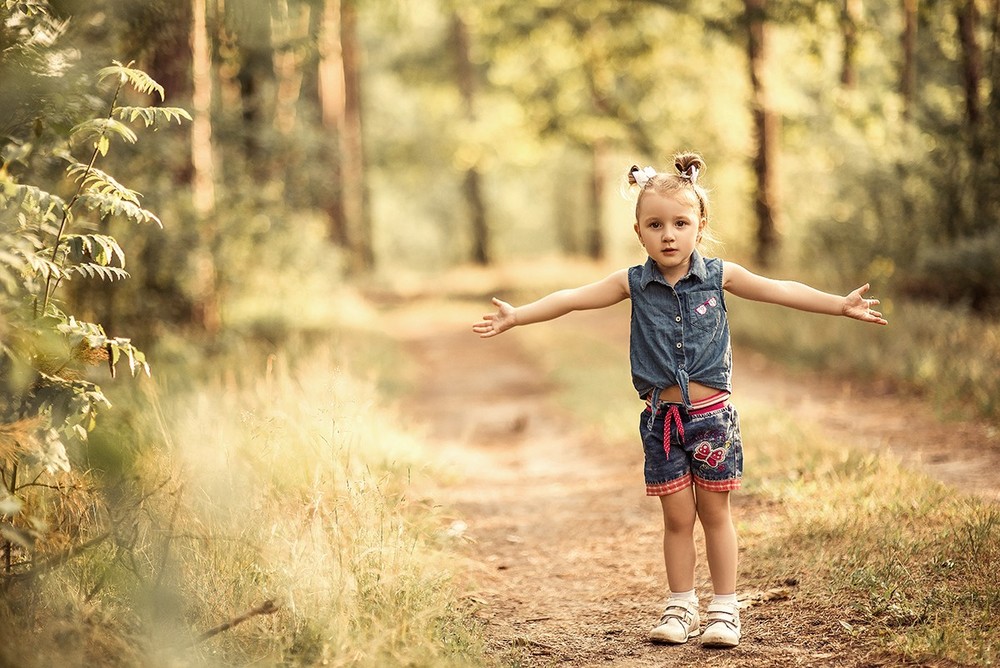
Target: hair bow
(642, 176)
(691, 174)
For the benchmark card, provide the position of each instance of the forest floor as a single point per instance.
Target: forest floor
(565, 548)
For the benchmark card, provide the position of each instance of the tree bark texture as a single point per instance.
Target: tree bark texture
(206, 307)
(766, 127)
(354, 175)
(331, 91)
(972, 61)
(850, 19)
(465, 76)
(598, 184)
(908, 74)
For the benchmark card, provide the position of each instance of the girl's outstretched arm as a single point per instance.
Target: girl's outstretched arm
(744, 283)
(608, 291)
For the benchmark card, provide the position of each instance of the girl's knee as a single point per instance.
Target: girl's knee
(713, 508)
(679, 512)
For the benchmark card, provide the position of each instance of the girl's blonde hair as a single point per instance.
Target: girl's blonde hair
(690, 167)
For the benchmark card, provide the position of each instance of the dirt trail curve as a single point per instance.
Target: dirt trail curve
(567, 544)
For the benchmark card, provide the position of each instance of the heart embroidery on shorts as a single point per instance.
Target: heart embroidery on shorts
(713, 458)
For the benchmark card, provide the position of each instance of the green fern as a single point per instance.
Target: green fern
(98, 248)
(99, 182)
(152, 115)
(138, 79)
(110, 205)
(97, 131)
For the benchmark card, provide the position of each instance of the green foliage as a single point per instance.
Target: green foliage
(47, 405)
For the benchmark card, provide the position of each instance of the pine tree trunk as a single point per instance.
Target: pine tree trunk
(330, 88)
(908, 76)
(849, 21)
(203, 168)
(598, 184)
(972, 62)
(354, 175)
(288, 27)
(465, 77)
(766, 134)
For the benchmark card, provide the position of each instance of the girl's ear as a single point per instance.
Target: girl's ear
(636, 228)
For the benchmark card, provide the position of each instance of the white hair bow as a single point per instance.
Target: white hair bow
(642, 176)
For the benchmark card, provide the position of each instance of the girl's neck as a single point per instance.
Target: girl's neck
(675, 273)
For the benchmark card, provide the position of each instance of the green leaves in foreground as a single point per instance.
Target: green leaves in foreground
(47, 401)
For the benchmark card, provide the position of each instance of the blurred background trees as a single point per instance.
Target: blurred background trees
(345, 143)
(354, 139)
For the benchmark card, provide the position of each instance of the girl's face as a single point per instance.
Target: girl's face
(669, 228)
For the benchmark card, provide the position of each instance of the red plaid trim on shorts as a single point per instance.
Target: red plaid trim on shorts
(719, 485)
(669, 487)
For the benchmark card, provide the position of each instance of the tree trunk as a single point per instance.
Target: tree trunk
(766, 135)
(465, 76)
(203, 167)
(598, 184)
(850, 18)
(908, 76)
(330, 88)
(288, 28)
(972, 62)
(354, 175)
(202, 158)
(250, 22)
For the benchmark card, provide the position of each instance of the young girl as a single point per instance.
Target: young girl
(682, 367)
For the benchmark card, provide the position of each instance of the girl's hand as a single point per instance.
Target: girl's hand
(859, 308)
(495, 323)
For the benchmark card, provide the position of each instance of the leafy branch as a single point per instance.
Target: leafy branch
(43, 350)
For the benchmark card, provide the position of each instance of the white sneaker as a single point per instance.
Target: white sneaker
(722, 629)
(678, 623)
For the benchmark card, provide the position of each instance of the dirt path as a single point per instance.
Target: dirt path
(566, 545)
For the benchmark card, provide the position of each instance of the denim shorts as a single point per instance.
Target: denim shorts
(704, 449)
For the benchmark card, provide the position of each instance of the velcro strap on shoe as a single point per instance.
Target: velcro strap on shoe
(721, 617)
(682, 615)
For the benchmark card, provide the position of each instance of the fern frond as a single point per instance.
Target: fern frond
(138, 79)
(111, 205)
(43, 266)
(92, 269)
(99, 248)
(93, 336)
(98, 181)
(37, 204)
(96, 128)
(152, 115)
(28, 7)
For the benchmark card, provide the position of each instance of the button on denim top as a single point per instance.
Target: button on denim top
(680, 333)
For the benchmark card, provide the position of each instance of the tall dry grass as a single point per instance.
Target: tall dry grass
(906, 565)
(285, 483)
(951, 356)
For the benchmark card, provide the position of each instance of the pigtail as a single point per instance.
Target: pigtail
(689, 166)
(640, 177)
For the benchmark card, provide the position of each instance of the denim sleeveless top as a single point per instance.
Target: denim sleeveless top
(679, 333)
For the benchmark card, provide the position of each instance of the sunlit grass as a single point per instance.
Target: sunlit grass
(289, 478)
(309, 468)
(949, 355)
(906, 564)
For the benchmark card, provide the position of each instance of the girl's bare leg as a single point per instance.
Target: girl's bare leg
(720, 539)
(679, 512)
